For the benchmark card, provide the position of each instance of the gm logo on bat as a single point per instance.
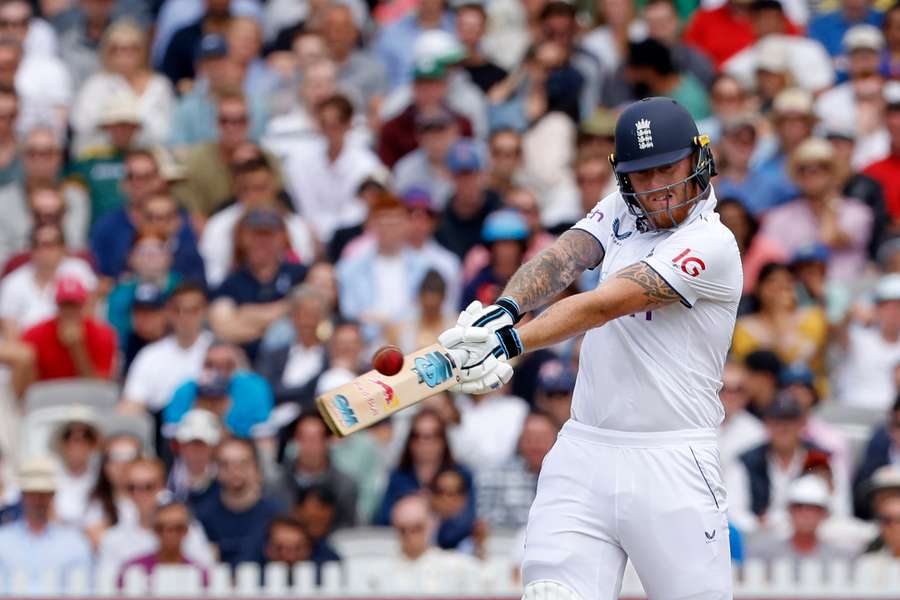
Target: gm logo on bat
(344, 410)
(433, 369)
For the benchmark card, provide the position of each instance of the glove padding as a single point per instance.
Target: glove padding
(477, 348)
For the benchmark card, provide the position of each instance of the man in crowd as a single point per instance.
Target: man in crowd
(882, 450)
(505, 493)
(192, 478)
(35, 544)
(162, 366)
(237, 518)
(313, 467)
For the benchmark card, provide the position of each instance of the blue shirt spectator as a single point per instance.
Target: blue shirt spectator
(829, 29)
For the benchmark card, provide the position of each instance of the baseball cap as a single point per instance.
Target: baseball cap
(772, 55)
(212, 384)
(463, 157)
(434, 117)
(797, 373)
(885, 478)
(504, 224)
(793, 101)
(764, 361)
(263, 218)
(810, 490)
(888, 288)
(554, 378)
(891, 94)
(785, 407)
(199, 425)
(70, 290)
(863, 37)
(417, 198)
(148, 296)
(120, 109)
(813, 149)
(38, 474)
(811, 253)
(211, 45)
(438, 47)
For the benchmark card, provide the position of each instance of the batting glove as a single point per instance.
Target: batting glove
(493, 317)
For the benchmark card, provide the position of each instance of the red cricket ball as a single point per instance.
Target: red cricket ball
(388, 360)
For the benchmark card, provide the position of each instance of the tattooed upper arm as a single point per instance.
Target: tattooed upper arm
(655, 290)
(550, 272)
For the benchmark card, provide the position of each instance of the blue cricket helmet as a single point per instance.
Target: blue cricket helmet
(651, 133)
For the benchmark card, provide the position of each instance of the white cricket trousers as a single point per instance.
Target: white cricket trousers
(657, 498)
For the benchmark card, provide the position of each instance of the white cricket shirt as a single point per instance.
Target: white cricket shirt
(662, 370)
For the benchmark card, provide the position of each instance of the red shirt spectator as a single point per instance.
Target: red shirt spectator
(723, 32)
(398, 136)
(71, 344)
(887, 171)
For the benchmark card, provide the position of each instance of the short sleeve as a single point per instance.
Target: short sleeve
(598, 222)
(700, 262)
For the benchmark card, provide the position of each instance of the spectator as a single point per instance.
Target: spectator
(161, 367)
(72, 344)
(315, 511)
(778, 50)
(423, 566)
(808, 506)
(226, 387)
(379, 286)
(237, 518)
(430, 94)
(462, 221)
(886, 507)
(661, 18)
(254, 294)
(855, 105)
(471, 20)
(425, 453)
(892, 41)
(293, 370)
(821, 214)
(210, 182)
(101, 168)
(27, 296)
(756, 249)
(324, 176)
(763, 370)
(256, 188)
(449, 499)
(124, 53)
(395, 42)
(146, 321)
(244, 40)
(76, 441)
(505, 492)
(426, 167)
(476, 436)
(41, 81)
(737, 143)
(108, 500)
(505, 235)
(810, 265)
(41, 198)
(796, 334)
(792, 119)
(554, 386)
(81, 30)
(651, 71)
(59, 548)
(429, 319)
(728, 101)
(192, 478)
(150, 265)
(178, 61)
(830, 29)
(170, 525)
(880, 452)
(739, 431)
(357, 69)
(312, 467)
(34, 33)
(758, 483)
(287, 543)
(135, 537)
(10, 155)
(871, 351)
(887, 170)
(505, 147)
(195, 118)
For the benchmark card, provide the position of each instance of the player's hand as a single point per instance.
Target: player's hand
(504, 313)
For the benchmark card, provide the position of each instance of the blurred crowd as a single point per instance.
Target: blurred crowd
(218, 209)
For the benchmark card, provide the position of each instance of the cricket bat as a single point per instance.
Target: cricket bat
(372, 397)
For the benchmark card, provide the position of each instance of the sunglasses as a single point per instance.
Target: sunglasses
(79, 435)
(242, 120)
(170, 528)
(140, 176)
(442, 491)
(812, 168)
(145, 487)
(417, 435)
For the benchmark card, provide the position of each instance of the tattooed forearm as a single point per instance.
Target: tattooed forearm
(550, 272)
(657, 292)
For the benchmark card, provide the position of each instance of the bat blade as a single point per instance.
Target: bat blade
(372, 396)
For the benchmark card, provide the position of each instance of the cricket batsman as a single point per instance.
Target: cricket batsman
(635, 471)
